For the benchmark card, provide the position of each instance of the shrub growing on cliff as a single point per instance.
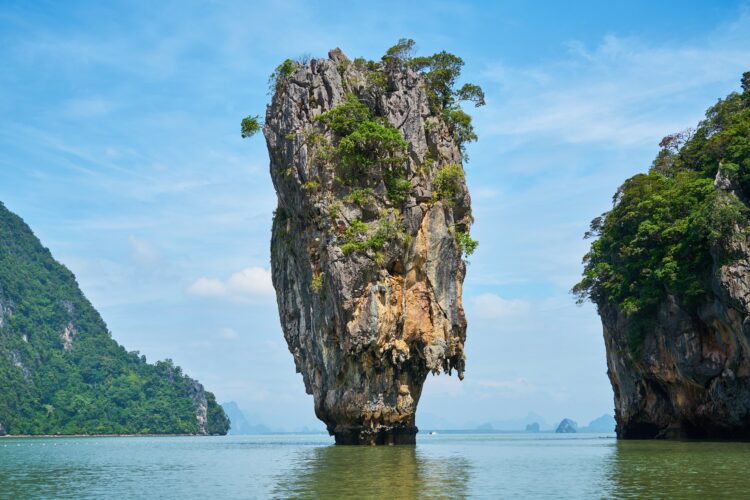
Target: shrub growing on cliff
(360, 196)
(317, 283)
(366, 143)
(370, 144)
(356, 239)
(397, 186)
(250, 126)
(446, 184)
(465, 243)
(441, 72)
(345, 118)
(280, 74)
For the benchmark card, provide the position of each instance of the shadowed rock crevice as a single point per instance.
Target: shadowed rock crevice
(365, 252)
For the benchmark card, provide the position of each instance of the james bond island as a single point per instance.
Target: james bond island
(670, 275)
(371, 231)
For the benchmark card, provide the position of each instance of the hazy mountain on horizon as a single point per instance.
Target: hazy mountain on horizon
(429, 421)
(240, 423)
(605, 423)
(515, 424)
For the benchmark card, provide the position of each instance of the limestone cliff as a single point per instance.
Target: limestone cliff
(691, 377)
(670, 274)
(373, 214)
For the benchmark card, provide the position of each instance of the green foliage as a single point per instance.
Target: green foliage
(334, 209)
(465, 243)
(345, 118)
(397, 186)
(317, 283)
(472, 93)
(667, 226)
(401, 52)
(460, 124)
(250, 126)
(312, 185)
(656, 241)
(646, 231)
(355, 238)
(367, 145)
(93, 386)
(441, 73)
(722, 140)
(280, 74)
(446, 184)
(371, 143)
(377, 80)
(360, 196)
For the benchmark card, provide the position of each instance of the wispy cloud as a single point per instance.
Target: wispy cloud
(228, 334)
(249, 284)
(621, 92)
(491, 306)
(142, 252)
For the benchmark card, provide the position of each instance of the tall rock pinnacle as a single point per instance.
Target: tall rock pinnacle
(368, 239)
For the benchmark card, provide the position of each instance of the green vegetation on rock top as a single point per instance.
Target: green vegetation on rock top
(366, 153)
(62, 372)
(659, 236)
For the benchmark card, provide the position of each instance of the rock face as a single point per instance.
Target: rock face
(366, 324)
(692, 376)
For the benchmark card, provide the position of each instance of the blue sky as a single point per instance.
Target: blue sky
(119, 132)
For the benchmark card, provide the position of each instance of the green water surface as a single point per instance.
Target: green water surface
(309, 466)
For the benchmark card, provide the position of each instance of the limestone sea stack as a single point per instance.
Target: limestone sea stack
(368, 239)
(670, 275)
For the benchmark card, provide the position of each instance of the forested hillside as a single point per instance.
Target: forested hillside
(60, 370)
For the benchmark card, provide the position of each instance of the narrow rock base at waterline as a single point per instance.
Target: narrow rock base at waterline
(376, 436)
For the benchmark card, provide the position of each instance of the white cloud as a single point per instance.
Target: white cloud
(491, 306)
(620, 92)
(142, 252)
(247, 285)
(518, 385)
(228, 334)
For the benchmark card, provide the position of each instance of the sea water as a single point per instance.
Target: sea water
(492, 465)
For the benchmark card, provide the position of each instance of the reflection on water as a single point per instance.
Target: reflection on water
(670, 469)
(373, 472)
(444, 466)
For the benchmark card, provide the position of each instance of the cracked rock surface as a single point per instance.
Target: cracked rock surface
(365, 327)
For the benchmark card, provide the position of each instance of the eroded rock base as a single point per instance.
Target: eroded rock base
(382, 436)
